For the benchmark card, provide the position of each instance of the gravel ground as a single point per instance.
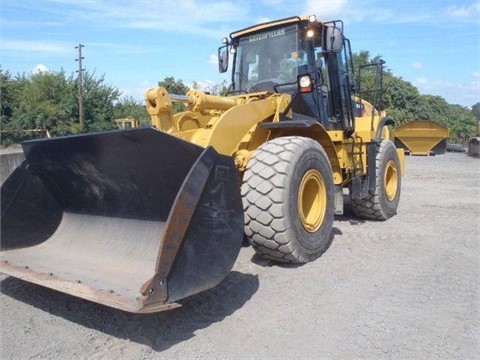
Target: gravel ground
(407, 288)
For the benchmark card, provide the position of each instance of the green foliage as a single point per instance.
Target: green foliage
(174, 86)
(98, 103)
(476, 110)
(368, 82)
(7, 94)
(403, 102)
(43, 101)
(131, 108)
(49, 101)
(462, 123)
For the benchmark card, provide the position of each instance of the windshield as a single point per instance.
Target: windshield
(269, 58)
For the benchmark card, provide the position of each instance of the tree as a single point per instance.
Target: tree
(6, 95)
(132, 108)
(43, 101)
(98, 103)
(9, 88)
(48, 101)
(476, 110)
(462, 123)
(367, 78)
(404, 103)
(174, 86)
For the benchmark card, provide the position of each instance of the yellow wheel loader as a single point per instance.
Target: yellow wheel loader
(138, 219)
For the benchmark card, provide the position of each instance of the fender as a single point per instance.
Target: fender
(383, 122)
(312, 129)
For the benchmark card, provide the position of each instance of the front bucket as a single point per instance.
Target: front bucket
(133, 219)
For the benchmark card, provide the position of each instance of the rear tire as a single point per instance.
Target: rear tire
(288, 200)
(382, 203)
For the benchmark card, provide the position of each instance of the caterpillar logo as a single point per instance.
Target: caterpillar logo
(266, 35)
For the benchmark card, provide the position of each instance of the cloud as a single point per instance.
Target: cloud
(204, 85)
(326, 9)
(180, 17)
(272, 2)
(36, 46)
(58, 48)
(263, 20)
(471, 12)
(463, 93)
(120, 48)
(354, 11)
(39, 68)
(417, 65)
(213, 59)
(136, 89)
(420, 81)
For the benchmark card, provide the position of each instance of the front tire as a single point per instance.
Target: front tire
(382, 203)
(288, 200)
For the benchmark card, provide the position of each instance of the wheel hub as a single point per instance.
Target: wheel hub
(312, 200)
(390, 180)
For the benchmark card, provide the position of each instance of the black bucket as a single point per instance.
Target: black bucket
(133, 219)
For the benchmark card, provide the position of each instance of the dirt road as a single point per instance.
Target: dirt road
(407, 288)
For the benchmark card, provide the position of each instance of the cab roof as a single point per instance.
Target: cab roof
(270, 24)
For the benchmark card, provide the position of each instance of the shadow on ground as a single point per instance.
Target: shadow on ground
(159, 331)
(348, 215)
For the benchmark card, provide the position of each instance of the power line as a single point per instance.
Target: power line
(80, 86)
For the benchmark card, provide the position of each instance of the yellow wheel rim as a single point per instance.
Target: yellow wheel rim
(312, 200)
(390, 180)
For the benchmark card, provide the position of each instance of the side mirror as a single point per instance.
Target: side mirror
(223, 58)
(332, 39)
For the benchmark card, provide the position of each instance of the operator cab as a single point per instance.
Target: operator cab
(268, 59)
(273, 57)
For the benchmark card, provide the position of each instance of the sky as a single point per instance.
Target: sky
(433, 44)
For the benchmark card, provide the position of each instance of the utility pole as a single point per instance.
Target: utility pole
(80, 86)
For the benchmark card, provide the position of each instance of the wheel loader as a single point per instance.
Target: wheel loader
(138, 219)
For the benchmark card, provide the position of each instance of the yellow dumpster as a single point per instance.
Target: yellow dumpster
(422, 137)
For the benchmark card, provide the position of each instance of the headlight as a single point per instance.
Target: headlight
(305, 83)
